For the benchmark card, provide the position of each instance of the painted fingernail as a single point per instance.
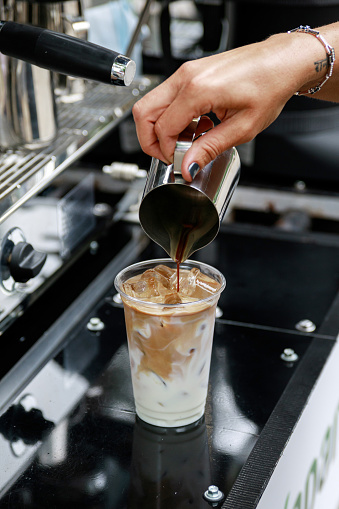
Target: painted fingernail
(193, 169)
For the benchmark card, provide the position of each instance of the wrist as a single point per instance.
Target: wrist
(322, 66)
(303, 59)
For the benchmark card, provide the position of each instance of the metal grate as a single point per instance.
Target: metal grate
(24, 172)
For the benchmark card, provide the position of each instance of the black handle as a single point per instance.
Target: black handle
(65, 54)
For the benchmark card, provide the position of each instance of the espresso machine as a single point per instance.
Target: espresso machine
(70, 190)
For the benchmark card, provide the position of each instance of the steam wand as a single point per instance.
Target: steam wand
(64, 54)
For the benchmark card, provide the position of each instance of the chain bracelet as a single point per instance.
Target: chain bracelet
(329, 53)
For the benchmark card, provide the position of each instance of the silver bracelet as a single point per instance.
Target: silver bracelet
(329, 52)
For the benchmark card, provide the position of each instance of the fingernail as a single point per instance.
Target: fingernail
(193, 169)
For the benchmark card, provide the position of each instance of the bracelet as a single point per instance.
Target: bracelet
(329, 52)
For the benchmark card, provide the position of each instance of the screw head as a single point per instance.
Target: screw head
(300, 185)
(213, 494)
(95, 324)
(218, 312)
(289, 355)
(305, 326)
(102, 210)
(94, 247)
(117, 299)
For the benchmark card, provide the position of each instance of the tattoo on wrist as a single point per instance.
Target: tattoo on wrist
(319, 65)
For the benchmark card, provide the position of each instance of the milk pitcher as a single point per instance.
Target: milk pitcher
(182, 216)
(28, 114)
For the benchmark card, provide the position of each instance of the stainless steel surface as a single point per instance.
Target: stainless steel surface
(27, 101)
(213, 494)
(305, 326)
(169, 202)
(17, 453)
(61, 53)
(13, 382)
(143, 18)
(289, 355)
(37, 223)
(183, 143)
(28, 113)
(26, 383)
(123, 71)
(23, 173)
(64, 17)
(95, 324)
(281, 201)
(27, 104)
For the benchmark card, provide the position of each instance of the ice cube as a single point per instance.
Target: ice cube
(135, 289)
(207, 284)
(144, 288)
(151, 285)
(172, 298)
(187, 281)
(154, 274)
(165, 271)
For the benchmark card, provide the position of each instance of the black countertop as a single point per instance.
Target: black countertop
(99, 455)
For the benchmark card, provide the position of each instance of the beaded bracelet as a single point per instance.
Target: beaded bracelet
(329, 52)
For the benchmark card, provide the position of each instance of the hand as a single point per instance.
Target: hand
(246, 88)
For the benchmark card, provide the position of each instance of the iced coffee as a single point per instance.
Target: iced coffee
(170, 337)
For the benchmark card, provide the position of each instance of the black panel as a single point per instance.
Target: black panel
(148, 467)
(108, 459)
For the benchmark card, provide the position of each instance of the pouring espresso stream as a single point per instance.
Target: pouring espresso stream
(182, 216)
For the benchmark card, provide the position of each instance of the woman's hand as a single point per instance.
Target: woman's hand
(246, 88)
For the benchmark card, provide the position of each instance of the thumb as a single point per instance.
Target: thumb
(204, 149)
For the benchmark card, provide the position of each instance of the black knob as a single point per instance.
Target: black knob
(25, 263)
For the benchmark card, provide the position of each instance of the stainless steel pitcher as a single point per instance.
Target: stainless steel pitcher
(28, 114)
(181, 216)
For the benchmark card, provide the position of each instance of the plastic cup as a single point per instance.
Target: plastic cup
(169, 349)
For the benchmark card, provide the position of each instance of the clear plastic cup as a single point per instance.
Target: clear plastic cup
(169, 349)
